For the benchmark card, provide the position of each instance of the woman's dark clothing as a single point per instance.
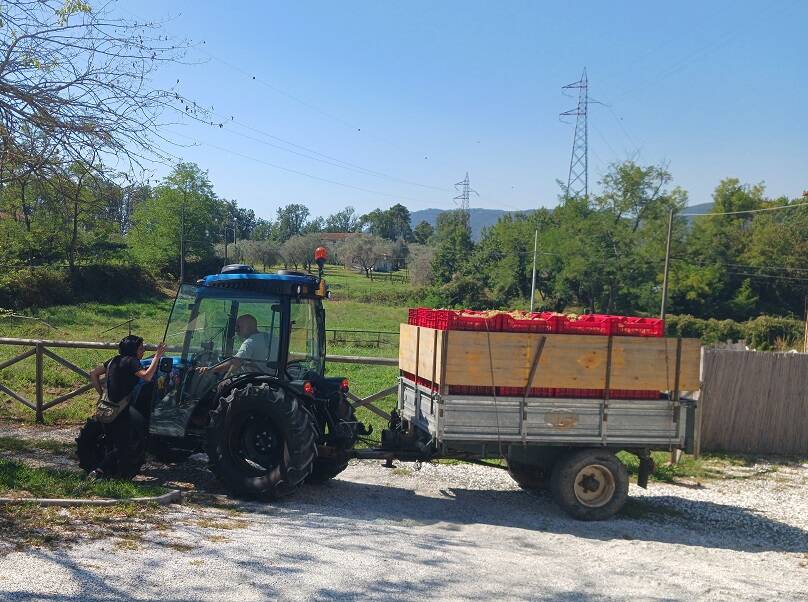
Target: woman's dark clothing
(121, 381)
(121, 376)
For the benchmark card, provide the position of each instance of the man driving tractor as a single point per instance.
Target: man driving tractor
(255, 348)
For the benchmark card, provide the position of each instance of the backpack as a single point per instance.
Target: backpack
(107, 411)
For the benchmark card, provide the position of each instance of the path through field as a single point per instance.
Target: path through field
(446, 532)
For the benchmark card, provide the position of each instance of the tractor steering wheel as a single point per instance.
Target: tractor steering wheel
(203, 357)
(299, 369)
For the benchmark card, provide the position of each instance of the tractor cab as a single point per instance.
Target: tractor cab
(233, 325)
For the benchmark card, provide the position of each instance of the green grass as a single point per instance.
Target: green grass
(707, 466)
(14, 444)
(51, 483)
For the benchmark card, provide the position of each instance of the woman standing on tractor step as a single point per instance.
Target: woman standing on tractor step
(122, 375)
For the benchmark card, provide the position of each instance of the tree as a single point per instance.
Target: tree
(453, 246)
(420, 265)
(261, 251)
(342, 221)
(423, 232)
(233, 216)
(263, 229)
(185, 196)
(76, 87)
(392, 224)
(299, 250)
(314, 226)
(289, 222)
(364, 251)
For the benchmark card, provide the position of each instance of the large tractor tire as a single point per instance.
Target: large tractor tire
(591, 484)
(528, 476)
(93, 444)
(260, 442)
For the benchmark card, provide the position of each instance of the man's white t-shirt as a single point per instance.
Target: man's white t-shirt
(255, 347)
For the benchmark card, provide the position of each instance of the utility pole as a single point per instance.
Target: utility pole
(578, 178)
(533, 280)
(182, 244)
(664, 307)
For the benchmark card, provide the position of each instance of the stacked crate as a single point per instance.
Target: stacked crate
(541, 322)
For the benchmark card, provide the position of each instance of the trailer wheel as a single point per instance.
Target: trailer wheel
(92, 445)
(591, 484)
(260, 442)
(527, 476)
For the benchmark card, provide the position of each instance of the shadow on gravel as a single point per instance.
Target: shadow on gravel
(666, 519)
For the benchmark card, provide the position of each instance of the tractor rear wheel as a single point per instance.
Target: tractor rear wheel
(260, 442)
(528, 476)
(93, 443)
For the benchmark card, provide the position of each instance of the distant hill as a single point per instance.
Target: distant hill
(700, 209)
(480, 218)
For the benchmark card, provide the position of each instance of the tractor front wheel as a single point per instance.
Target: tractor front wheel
(260, 442)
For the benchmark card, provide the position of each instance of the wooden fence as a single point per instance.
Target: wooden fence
(42, 348)
(755, 402)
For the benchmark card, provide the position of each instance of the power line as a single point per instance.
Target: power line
(300, 173)
(778, 208)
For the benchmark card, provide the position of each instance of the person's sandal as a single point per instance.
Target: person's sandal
(95, 475)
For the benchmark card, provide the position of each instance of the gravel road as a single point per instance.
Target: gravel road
(448, 532)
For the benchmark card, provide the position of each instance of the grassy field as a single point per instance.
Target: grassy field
(104, 322)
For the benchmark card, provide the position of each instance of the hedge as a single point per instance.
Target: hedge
(764, 332)
(47, 285)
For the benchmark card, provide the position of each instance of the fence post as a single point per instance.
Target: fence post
(40, 418)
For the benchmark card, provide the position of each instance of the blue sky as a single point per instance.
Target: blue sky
(401, 99)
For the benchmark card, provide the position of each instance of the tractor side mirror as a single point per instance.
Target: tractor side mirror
(166, 364)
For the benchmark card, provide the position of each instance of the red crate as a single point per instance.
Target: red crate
(520, 392)
(471, 390)
(413, 315)
(579, 393)
(633, 394)
(640, 327)
(424, 382)
(477, 320)
(588, 324)
(544, 322)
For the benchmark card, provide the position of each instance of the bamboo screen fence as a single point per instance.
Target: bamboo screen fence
(755, 402)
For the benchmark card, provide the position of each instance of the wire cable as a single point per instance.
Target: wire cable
(778, 208)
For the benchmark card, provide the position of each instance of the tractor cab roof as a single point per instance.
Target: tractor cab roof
(284, 283)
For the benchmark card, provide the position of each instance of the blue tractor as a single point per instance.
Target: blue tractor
(244, 382)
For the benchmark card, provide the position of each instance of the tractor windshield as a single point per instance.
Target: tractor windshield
(214, 328)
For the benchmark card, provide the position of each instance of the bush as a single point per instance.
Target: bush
(45, 286)
(764, 332)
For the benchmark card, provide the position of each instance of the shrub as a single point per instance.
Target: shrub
(48, 285)
(764, 332)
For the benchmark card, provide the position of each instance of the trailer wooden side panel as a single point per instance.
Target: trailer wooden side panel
(505, 359)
